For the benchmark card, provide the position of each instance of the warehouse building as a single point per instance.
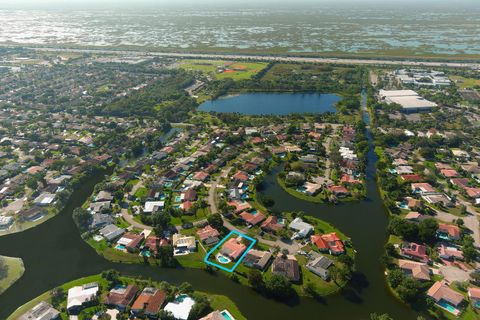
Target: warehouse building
(408, 99)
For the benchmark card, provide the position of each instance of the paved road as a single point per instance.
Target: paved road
(133, 223)
(272, 58)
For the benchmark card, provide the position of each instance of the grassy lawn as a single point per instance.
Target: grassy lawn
(319, 198)
(323, 287)
(115, 255)
(464, 83)
(218, 302)
(234, 70)
(15, 270)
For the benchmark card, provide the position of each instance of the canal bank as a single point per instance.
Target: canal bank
(54, 253)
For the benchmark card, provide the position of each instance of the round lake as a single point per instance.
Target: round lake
(273, 103)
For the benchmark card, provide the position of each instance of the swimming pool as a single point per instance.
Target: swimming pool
(447, 306)
(120, 247)
(222, 259)
(178, 198)
(254, 212)
(145, 253)
(226, 315)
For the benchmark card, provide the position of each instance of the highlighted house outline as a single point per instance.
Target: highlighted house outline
(233, 232)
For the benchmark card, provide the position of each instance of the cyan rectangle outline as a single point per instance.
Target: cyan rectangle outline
(253, 241)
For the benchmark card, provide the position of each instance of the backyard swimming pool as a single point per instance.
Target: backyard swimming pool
(222, 259)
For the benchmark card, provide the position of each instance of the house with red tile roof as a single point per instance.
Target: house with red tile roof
(271, 224)
(257, 140)
(415, 251)
(240, 176)
(200, 176)
(154, 243)
(339, 190)
(240, 205)
(208, 235)
(411, 177)
(131, 241)
(448, 232)
(473, 193)
(150, 301)
(421, 188)
(346, 178)
(187, 206)
(474, 295)
(252, 218)
(328, 243)
(449, 252)
(233, 248)
(190, 195)
(416, 270)
(449, 173)
(445, 298)
(459, 182)
(121, 297)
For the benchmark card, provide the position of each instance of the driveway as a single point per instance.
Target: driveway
(454, 274)
(471, 222)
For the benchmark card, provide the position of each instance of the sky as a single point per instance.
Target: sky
(222, 3)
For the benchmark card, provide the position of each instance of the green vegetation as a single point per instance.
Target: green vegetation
(11, 269)
(221, 69)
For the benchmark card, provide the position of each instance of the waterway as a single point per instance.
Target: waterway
(273, 103)
(54, 253)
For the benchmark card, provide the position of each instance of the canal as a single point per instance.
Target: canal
(54, 253)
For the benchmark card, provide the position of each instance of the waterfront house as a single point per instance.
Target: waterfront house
(415, 251)
(183, 244)
(121, 297)
(153, 206)
(216, 315)
(287, 266)
(474, 296)
(41, 311)
(414, 216)
(319, 265)
(339, 191)
(111, 232)
(411, 177)
(239, 206)
(422, 188)
(257, 259)
(100, 206)
(302, 229)
(445, 298)
(180, 307)
(81, 296)
(208, 235)
(240, 176)
(328, 243)
(103, 196)
(417, 270)
(44, 199)
(100, 220)
(233, 248)
(153, 244)
(149, 302)
(271, 224)
(448, 232)
(130, 241)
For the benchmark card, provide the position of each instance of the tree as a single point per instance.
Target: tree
(384, 316)
(165, 315)
(278, 286)
(165, 254)
(82, 218)
(57, 295)
(112, 276)
(427, 230)
(215, 220)
(395, 277)
(186, 288)
(200, 309)
(255, 279)
(409, 290)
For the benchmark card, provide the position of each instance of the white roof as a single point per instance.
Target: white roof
(180, 310)
(77, 296)
(151, 205)
(397, 93)
(299, 225)
(411, 102)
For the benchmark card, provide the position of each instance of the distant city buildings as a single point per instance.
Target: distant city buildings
(422, 78)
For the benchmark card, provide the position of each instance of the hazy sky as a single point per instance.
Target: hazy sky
(222, 3)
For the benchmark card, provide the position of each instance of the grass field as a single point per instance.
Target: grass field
(15, 270)
(233, 70)
(464, 83)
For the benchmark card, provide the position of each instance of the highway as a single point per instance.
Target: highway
(269, 58)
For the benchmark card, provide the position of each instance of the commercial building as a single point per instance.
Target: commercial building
(409, 100)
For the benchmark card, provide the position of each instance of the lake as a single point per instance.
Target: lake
(273, 103)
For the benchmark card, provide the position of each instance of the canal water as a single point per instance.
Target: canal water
(54, 253)
(273, 103)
